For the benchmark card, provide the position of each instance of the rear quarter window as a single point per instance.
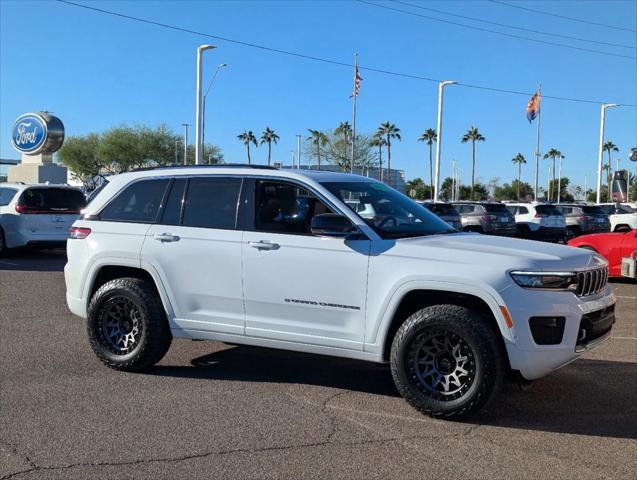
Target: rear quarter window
(548, 210)
(593, 210)
(139, 202)
(6, 195)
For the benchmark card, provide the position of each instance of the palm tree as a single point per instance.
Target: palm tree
(609, 177)
(269, 136)
(388, 131)
(345, 129)
(429, 136)
(318, 139)
(609, 147)
(247, 137)
(552, 153)
(380, 142)
(473, 136)
(519, 159)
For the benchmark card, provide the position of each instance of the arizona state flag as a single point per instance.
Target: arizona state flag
(533, 107)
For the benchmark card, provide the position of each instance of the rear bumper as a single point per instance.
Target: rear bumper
(548, 233)
(21, 238)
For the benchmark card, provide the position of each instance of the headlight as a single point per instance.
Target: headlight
(549, 280)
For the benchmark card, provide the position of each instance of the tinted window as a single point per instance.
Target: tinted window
(92, 195)
(62, 200)
(441, 208)
(6, 195)
(513, 210)
(496, 208)
(548, 210)
(211, 202)
(624, 209)
(286, 208)
(139, 202)
(172, 210)
(464, 208)
(523, 210)
(565, 210)
(593, 210)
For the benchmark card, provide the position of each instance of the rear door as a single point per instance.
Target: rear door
(195, 247)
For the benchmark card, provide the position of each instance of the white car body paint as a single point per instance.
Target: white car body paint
(326, 295)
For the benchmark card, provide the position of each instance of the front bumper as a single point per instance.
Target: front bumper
(594, 314)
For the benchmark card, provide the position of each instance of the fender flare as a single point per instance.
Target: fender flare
(487, 295)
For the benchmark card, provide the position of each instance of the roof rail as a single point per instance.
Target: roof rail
(218, 165)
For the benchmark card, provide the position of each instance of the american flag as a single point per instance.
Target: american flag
(357, 83)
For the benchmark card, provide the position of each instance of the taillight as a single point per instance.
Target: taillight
(538, 215)
(24, 209)
(79, 233)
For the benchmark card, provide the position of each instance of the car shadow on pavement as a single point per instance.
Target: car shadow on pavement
(26, 260)
(588, 397)
(255, 364)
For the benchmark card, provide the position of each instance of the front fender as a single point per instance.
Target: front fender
(378, 329)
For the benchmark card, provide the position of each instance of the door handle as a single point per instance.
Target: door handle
(166, 237)
(263, 245)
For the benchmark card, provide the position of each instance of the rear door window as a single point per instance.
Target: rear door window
(211, 202)
(139, 202)
(53, 200)
(6, 195)
(442, 209)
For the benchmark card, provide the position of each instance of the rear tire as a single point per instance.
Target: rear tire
(572, 232)
(127, 326)
(447, 362)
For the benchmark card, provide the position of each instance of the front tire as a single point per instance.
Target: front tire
(127, 326)
(446, 361)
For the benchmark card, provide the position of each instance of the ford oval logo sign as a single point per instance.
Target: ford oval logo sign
(29, 133)
(35, 133)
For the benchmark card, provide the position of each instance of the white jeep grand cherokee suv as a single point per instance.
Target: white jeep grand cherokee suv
(281, 259)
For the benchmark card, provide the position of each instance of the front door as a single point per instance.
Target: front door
(299, 287)
(196, 250)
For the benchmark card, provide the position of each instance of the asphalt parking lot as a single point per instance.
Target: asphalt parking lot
(211, 410)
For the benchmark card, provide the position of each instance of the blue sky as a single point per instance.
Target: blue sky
(96, 71)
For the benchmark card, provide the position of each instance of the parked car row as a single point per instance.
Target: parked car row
(536, 221)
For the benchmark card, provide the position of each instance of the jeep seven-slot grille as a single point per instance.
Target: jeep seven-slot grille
(591, 282)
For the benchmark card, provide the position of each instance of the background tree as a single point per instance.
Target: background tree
(519, 160)
(81, 156)
(509, 191)
(609, 147)
(607, 167)
(318, 140)
(417, 189)
(481, 191)
(564, 182)
(389, 131)
(247, 137)
(473, 135)
(345, 130)
(429, 136)
(211, 154)
(379, 141)
(269, 136)
(552, 153)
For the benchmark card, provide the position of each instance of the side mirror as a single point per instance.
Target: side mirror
(331, 225)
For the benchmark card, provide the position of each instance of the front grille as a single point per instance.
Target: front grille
(591, 281)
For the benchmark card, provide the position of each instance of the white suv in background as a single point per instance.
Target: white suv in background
(622, 216)
(286, 259)
(538, 221)
(37, 215)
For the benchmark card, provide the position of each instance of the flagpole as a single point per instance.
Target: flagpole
(537, 146)
(351, 165)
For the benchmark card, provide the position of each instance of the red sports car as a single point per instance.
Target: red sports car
(612, 246)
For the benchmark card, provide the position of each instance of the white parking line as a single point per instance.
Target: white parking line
(624, 338)
(623, 296)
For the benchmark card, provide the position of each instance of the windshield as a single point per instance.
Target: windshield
(53, 199)
(593, 211)
(389, 213)
(496, 208)
(548, 210)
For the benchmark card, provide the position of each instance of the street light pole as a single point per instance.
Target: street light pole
(203, 110)
(298, 149)
(602, 122)
(441, 87)
(176, 151)
(198, 124)
(185, 125)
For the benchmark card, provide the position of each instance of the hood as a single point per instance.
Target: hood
(501, 253)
